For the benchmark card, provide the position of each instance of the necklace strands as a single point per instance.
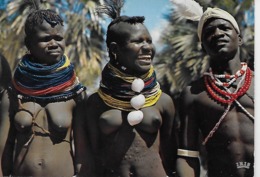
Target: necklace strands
(224, 96)
(230, 79)
(241, 90)
(228, 76)
(128, 93)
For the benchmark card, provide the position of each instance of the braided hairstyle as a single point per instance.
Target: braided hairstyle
(112, 8)
(36, 18)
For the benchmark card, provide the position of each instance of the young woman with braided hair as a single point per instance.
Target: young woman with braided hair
(44, 95)
(127, 128)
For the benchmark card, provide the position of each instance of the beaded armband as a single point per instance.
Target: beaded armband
(188, 153)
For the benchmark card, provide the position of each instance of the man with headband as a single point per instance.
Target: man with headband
(220, 105)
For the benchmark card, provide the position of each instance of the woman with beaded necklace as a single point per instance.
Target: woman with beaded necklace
(128, 122)
(44, 95)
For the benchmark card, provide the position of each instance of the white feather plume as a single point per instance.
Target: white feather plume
(188, 9)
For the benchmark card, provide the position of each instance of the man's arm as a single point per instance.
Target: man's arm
(187, 161)
(168, 143)
(7, 137)
(84, 155)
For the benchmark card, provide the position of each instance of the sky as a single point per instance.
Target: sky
(152, 10)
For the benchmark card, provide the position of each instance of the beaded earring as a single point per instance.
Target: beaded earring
(114, 55)
(115, 58)
(123, 68)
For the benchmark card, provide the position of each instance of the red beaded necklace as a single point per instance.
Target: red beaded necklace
(223, 96)
(229, 78)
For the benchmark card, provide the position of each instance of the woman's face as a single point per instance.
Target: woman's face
(47, 44)
(137, 52)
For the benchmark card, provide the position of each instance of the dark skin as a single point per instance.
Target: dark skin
(233, 142)
(119, 149)
(49, 152)
(5, 79)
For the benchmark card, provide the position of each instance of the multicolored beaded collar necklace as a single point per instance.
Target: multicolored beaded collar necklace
(125, 92)
(220, 91)
(37, 82)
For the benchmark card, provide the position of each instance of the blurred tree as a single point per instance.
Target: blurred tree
(84, 35)
(182, 61)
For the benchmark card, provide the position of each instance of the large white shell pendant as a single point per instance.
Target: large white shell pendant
(135, 117)
(137, 85)
(137, 101)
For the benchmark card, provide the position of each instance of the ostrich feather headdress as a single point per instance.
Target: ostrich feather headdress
(111, 8)
(190, 9)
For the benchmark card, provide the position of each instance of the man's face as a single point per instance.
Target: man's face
(219, 38)
(47, 44)
(137, 52)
